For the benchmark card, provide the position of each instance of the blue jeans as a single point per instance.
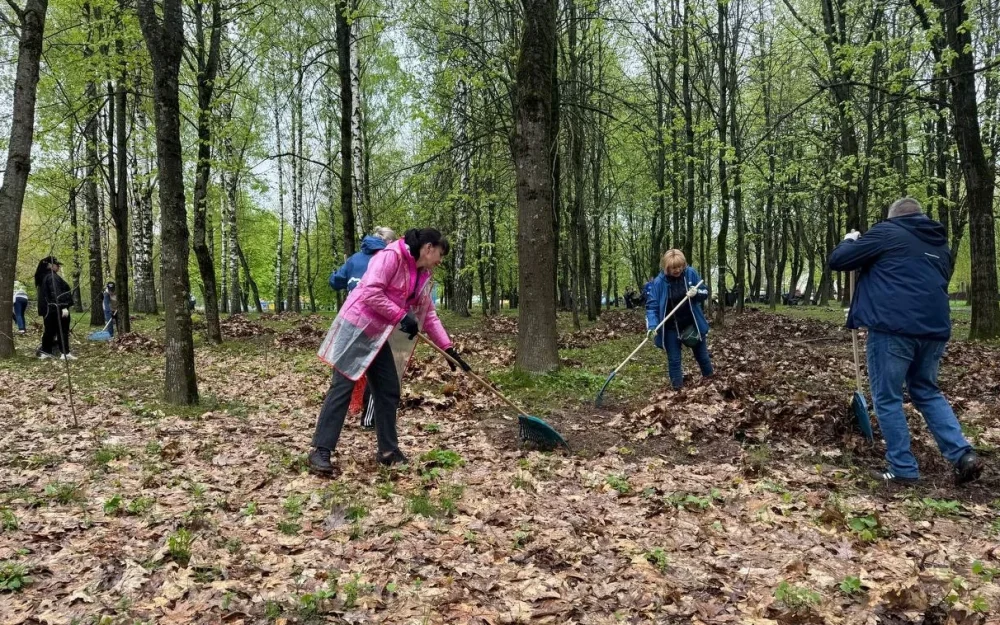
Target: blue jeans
(20, 305)
(673, 344)
(893, 360)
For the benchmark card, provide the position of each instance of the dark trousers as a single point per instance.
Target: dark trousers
(20, 304)
(384, 385)
(56, 332)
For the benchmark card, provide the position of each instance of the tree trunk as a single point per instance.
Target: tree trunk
(977, 171)
(346, 143)
(250, 280)
(165, 41)
(358, 181)
(533, 150)
(142, 246)
(292, 293)
(15, 175)
(689, 159)
(119, 212)
(208, 69)
(279, 253)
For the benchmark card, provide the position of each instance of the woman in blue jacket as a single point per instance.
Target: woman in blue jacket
(350, 273)
(688, 326)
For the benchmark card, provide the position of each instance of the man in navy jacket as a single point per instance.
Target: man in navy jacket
(904, 266)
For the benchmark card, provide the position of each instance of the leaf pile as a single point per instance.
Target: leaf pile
(303, 336)
(132, 342)
(240, 327)
(611, 324)
(500, 324)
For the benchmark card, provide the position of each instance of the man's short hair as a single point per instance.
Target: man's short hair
(905, 206)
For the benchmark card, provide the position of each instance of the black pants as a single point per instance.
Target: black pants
(384, 385)
(56, 333)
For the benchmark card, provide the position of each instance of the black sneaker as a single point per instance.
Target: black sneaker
(888, 476)
(319, 462)
(968, 468)
(391, 458)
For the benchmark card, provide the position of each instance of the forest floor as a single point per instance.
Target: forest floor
(743, 499)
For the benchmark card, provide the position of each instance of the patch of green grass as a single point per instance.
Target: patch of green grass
(179, 546)
(43, 461)
(448, 498)
(8, 520)
(293, 505)
(153, 448)
(618, 483)
(140, 506)
(850, 585)
(64, 492)
(659, 559)
(420, 503)
(432, 428)
(289, 528)
(796, 597)
(867, 527)
(249, 509)
(355, 512)
(522, 537)
(757, 459)
(937, 507)
(107, 453)
(384, 489)
(987, 573)
(113, 505)
(688, 501)
(14, 576)
(443, 458)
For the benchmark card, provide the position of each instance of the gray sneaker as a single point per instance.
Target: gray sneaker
(44, 355)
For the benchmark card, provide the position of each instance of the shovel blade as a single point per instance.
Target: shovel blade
(859, 408)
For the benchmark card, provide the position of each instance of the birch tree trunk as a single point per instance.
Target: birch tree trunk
(142, 245)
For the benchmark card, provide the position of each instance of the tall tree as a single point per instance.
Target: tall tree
(206, 54)
(165, 41)
(31, 27)
(533, 150)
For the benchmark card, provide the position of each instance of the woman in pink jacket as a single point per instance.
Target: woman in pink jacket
(374, 334)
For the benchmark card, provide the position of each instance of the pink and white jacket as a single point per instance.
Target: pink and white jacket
(391, 287)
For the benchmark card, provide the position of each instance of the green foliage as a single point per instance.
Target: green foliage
(688, 501)
(618, 483)
(293, 505)
(987, 573)
(113, 505)
(867, 527)
(249, 509)
(289, 528)
(443, 458)
(107, 453)
(64, 492)
(796, 597)
(140, 506)
(938, 507)
(13, 576)
(8, 521)
(179, 546)
(850, 585)
(659, 559)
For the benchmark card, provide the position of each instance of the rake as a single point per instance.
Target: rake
(859, 407)
(600, 394)
(102, 335)
(530, 428)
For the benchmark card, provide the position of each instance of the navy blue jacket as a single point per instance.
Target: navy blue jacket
(349, 274)
(656, 303)
(904, 268)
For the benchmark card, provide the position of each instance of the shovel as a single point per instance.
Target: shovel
(531, 428)
(859, 407)
(600, 394)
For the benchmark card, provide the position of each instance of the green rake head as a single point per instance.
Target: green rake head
(540, 433)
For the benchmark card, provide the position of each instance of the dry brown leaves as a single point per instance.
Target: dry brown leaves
(135, 342)
(504, 536)
(304, 336)
(240, 327)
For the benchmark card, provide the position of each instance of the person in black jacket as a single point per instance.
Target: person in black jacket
(54, 301)
(904, 267)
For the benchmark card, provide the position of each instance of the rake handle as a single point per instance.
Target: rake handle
(656, 329)
(484, 383)
(853, 278)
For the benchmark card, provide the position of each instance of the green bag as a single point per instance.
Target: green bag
(690, 336)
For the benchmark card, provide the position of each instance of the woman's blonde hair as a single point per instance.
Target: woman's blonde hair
(673, 259)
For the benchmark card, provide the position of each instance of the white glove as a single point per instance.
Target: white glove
(692, 291)
(852, 235)
(65, 312)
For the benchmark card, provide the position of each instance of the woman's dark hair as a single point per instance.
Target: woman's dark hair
(43, 269)
(416, 238)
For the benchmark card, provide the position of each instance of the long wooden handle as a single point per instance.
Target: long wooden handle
(657, 329)
(475, 377)
(853, 278)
